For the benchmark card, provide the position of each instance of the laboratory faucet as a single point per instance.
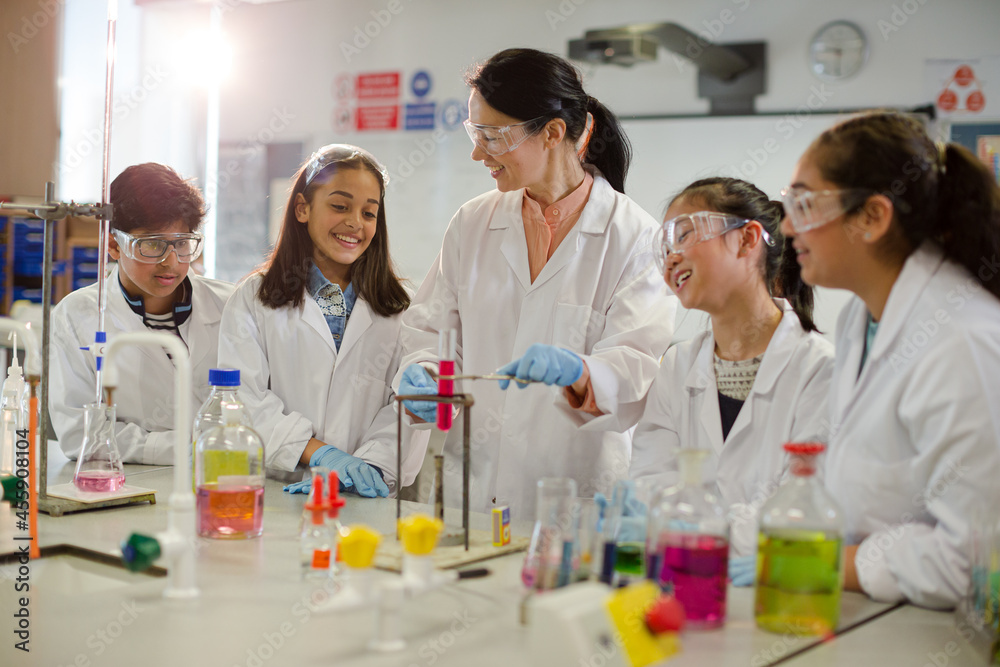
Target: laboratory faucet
(177, 543)
(32, 355)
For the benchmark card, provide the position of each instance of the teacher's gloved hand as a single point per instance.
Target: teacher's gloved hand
(743, 570)
(354, 474)
(416, 380)
(544, 363)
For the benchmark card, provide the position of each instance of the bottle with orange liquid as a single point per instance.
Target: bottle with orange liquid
(229, 477)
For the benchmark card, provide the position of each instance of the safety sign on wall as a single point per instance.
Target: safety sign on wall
(964, 89)
(390, 101)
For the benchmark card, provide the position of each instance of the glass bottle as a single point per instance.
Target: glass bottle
(799, 558)
(337, 530)
(229, 475)
(549, 562)
(688, 544)
(99, 466)
(224, 382)
(623, 534)
(11, 414)
(316, 541)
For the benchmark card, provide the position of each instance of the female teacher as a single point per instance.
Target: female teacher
(553, 270)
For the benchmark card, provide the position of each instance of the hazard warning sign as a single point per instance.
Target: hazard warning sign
(964, 88)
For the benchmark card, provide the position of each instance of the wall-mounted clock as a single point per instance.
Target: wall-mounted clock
(838, 50)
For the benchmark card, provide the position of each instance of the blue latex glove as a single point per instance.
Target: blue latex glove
(633, 526)
(416, 380)
(544, 363)
(743, 570)
(354, 474)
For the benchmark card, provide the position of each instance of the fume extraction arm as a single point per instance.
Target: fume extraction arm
(729, 75)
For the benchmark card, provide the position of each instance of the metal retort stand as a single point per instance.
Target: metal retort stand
(50, 211)
(466, 401)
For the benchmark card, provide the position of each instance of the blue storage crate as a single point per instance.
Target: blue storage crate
(29, 239)
(26, 225)
(86, 254)
(83, 282)
(86, 269)
(33, 269)
(33, 294)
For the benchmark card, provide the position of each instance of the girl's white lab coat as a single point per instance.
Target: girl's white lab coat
(296, 385)
(787, 403)
(915, 452)
(144, 399)
(599, 295)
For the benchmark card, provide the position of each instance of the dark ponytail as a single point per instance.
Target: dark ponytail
(967, 224)
(780, 268)
(526, 84)
(951, 199)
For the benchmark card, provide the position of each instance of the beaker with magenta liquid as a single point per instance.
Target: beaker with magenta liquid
(99, 467)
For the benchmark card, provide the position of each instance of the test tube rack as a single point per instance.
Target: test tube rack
(466, 402)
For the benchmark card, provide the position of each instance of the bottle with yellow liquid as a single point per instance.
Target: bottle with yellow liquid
(799, 557)
(229, 477)
(224, 382)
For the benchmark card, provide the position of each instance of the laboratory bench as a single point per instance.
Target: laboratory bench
(254, 609)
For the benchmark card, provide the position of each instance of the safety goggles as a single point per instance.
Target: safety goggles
(332, 153)
(686, 231)
(499, 139)
(153, 248)
(809, 209)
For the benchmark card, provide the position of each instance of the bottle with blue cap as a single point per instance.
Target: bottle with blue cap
(225, 383)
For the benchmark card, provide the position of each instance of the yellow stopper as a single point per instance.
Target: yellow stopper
(357, 546)
(419, 534)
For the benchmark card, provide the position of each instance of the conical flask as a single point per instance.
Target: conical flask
(688, 544)
(99, 467)
(799, 563)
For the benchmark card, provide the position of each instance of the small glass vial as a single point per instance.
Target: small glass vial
(799, 558)
(549, 561)
(688, 544)
(229, 477)
(99, 467)
(317, 542)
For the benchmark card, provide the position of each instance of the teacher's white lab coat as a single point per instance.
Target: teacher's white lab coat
(787, 403)
(599, 296)
(144, 399)
(915, 453)
(297, 385)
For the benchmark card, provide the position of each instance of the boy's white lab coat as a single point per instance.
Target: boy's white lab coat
(144, 399)
(296, 385)
(599, 296)
(788, 403)
(915, 451)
